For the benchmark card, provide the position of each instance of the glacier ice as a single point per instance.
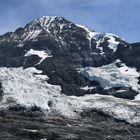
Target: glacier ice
(28, 87)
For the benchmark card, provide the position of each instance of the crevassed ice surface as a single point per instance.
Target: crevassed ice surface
(112, 76)
(24, 87)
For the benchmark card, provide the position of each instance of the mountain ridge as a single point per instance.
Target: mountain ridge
(55, 69)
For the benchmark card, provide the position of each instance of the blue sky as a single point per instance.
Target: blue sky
(121, 17)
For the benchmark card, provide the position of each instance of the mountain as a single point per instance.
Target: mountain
(60, 80)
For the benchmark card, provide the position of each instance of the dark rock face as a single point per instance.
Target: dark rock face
(130, 55)
(1, 91)
(123, 92)
(27, 125)
(60, 72)
(30, 61)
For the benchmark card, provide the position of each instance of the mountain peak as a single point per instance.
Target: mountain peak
(65, 34)
(45, 21)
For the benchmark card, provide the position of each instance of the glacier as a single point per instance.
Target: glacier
(113, 76)
(28, 87)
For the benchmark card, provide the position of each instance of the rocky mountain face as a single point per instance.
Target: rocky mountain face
(73, 81)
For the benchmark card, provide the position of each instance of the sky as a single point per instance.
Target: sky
(120, 17)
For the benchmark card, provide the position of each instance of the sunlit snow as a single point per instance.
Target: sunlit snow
(112, 76)
(25, 87)
(41, 54)
(99, 37)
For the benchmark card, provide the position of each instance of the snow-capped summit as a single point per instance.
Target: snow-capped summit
(65, 34)
(45, 23)
(113, 40)
(48, 25)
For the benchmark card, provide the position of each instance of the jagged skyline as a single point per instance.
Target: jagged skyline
(120, 17)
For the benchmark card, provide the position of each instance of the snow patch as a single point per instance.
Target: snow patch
(100, 37)
(87, 88)
(41, 54)
(112, 42)
(30, 130)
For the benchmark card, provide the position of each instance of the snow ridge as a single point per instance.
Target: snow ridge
(100, 38)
